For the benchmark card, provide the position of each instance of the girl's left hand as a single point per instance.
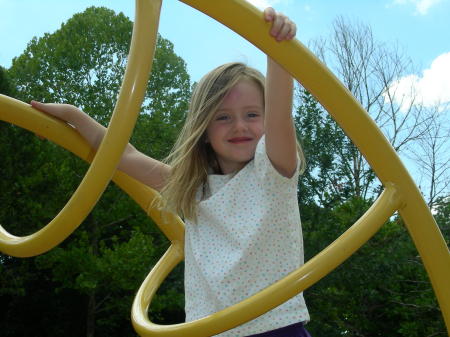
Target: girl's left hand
(282, 28)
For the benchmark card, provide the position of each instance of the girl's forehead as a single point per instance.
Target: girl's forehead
(244, 91)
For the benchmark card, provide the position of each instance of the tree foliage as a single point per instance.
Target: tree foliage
(383, 289)
(85, 286)
(94, 274)
(369, 69)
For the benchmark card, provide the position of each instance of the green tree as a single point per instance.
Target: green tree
(442, 216)
(88, 282)
(383, 289)
(19, 151)
(331, 177)
(368, 69)
(5, 84)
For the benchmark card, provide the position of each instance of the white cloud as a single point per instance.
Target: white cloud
(421, 6)
(430, 89)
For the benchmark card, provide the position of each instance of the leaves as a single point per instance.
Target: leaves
(85, 286)
(102, 264)
(384, 281)
(383, 289)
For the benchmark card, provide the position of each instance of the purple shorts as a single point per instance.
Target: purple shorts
(294, 330)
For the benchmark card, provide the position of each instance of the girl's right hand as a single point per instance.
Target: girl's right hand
(282, 27)
(64, 112)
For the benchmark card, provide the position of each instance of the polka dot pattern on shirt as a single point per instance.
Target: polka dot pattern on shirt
(247, 236)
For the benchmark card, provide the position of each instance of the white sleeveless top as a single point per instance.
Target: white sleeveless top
(247, 236)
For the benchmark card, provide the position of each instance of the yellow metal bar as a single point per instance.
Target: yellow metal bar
(247, 21)
(170, 224)
(23, 115)
(141, 303)
(119, 131)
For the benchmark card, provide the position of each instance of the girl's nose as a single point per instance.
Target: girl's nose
(240, 124)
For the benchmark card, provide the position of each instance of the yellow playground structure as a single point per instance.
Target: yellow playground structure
(400, 192)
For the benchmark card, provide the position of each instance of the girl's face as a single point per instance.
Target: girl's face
(237, 126)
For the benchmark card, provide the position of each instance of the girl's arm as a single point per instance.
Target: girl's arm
(147, 170)
(281, 143)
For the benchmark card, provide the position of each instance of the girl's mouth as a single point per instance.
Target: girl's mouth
(238, 140)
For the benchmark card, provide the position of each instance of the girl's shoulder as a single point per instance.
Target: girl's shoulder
(265, 170)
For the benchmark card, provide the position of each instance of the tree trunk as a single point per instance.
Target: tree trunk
(90, 317)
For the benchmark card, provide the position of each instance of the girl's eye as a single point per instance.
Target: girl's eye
(252, 114)
(222, 118)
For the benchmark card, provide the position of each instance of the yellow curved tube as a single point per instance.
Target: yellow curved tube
(400, 191)
(23, 115)
(108, 156)
(238, 16)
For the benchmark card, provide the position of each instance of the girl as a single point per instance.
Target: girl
(233, 176)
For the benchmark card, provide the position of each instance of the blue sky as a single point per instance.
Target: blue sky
(421, 27)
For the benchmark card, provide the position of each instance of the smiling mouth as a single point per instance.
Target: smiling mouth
(238, 140)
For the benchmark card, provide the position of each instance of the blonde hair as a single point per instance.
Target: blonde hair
(191, 156)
